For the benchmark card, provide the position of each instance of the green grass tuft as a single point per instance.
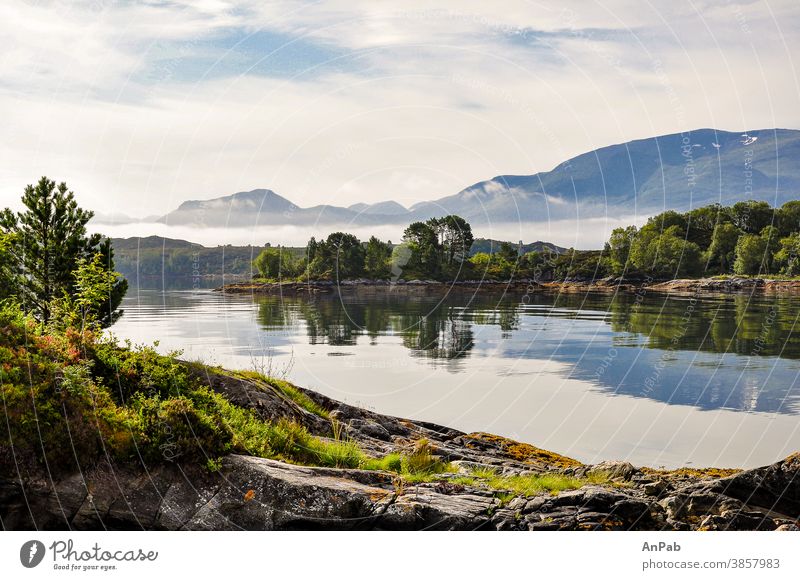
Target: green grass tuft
(530, 485)
(289, 390)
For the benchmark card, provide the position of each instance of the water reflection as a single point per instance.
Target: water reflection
(731, 352)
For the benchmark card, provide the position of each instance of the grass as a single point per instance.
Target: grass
(416, 465)
(286, 440)
(601, 478)
(289, 390)
(530, 485)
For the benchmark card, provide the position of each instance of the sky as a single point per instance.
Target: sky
(139, 106)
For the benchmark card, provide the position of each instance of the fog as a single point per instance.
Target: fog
(583, 234)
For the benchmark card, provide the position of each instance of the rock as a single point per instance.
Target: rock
(251, 493)
(788, 528)
(775, 487)
(737, 521)
(424, 509)
(655, 488)
(467, 467)
(518, 504)
(617, 470)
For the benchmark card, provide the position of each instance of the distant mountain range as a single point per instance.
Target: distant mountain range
(675, 171)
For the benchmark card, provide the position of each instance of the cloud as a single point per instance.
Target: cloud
(139, 106)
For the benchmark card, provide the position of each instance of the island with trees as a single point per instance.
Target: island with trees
(747, 245)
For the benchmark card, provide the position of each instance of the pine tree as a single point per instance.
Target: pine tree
(49, 241)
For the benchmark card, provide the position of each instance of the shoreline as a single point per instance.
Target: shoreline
(733, 285)
(486, 482)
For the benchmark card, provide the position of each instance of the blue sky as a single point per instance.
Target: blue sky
(141, 105)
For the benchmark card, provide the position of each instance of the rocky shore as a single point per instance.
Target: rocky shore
(249, 493)
(377, 286)
(678, 286)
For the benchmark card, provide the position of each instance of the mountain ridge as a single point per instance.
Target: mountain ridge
(674, 171)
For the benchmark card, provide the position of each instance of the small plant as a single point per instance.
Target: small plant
(505, 498)
(421, 460)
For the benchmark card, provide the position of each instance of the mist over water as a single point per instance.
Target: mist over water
(587, 233)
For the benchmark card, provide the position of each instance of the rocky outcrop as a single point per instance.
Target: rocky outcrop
(727, 285)
(249, 493)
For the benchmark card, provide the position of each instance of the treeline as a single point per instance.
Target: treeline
(155, 256)
(436, 249)
(748, 238)
(442, 249)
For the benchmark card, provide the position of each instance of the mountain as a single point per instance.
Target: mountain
(380, 208)
(242, 209)
(644, 176)
(675, 171)
(491, 246)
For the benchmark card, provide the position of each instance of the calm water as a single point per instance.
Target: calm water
(660, 381)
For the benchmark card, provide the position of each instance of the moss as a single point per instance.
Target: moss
(691, 472)
(525, 452)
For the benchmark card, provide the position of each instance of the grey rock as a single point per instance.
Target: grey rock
(615, 470)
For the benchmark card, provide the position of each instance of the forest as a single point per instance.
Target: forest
(748, 238)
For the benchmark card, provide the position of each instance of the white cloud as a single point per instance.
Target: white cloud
(419, 103)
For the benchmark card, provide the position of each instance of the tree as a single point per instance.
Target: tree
(423, 242)
(439, 247)
(787, 258)
(456, 239)
(665, 255)
(377, 264)
(508, 253)
(348, 255)
(108, 311)
(701, 223)
(50, 240)
(788, 217)
(6, 266)
(722, 251)
(665, 220)
(771, 239)
(275, 263)
(86, 307)
(619, 248)
(752, 216)
(750, 250)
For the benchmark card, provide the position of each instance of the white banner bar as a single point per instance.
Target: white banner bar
(401, 555)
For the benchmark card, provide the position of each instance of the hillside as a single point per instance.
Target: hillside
(491, 246)
(157, 257)
(676, 171)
